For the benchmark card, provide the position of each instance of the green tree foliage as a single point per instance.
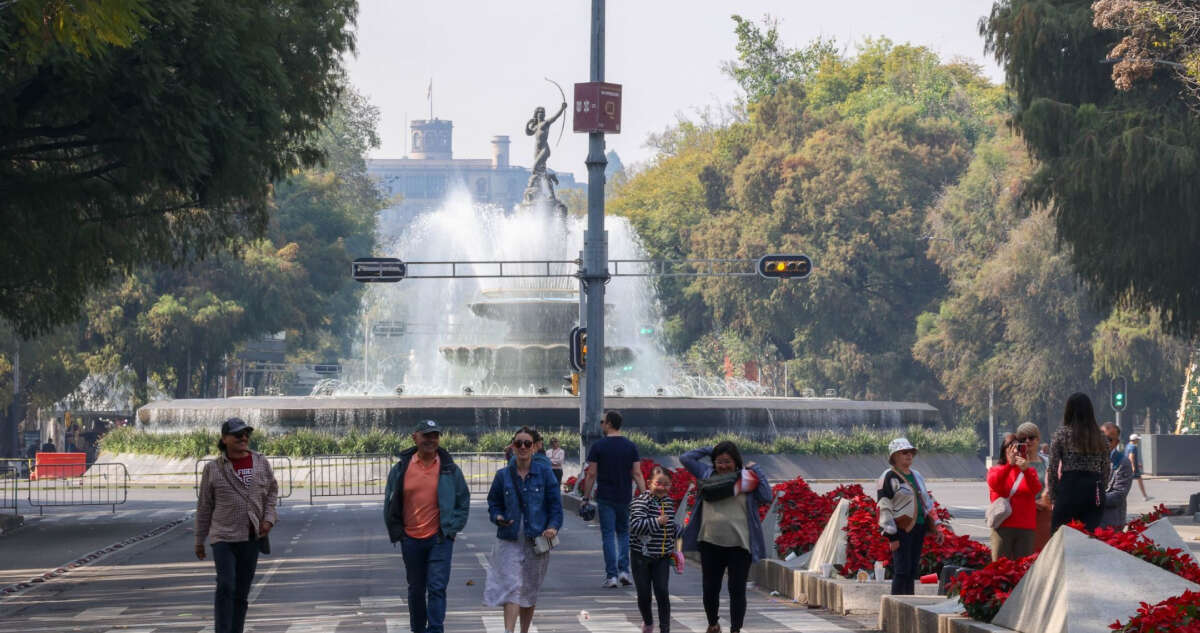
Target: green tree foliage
(1116, 167)
(764, 64)
(157, 149)
(840, 164)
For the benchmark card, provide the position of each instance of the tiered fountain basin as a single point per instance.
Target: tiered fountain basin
(662, 417)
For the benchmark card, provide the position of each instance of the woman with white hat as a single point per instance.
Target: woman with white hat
(905, 514)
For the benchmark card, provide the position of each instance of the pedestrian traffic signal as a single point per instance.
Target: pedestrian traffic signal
(1117, 389)
(784, 266)
(578, 347)
(572, 384)
(646, 330)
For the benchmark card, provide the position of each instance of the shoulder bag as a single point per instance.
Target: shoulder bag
(718, 487)
(999, 510)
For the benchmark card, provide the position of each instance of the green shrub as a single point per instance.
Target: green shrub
(306, 442)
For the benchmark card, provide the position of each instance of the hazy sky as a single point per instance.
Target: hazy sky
(487, 60)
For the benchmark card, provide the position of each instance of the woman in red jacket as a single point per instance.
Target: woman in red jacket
(1014, 538)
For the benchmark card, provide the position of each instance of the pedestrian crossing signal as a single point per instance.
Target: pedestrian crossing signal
(784, 266)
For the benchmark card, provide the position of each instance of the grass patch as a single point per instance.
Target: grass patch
(306, 442)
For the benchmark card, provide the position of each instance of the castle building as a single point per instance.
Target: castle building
(421, 181)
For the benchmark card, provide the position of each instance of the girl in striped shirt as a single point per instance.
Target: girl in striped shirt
(652, 526)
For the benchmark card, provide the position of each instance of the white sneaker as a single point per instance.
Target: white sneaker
(610, 583)
(625, 578)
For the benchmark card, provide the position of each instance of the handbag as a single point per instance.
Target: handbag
(718, 487)
(999, 510)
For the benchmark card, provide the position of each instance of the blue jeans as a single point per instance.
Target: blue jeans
(427, 566)
(235, 563)
(614, 533)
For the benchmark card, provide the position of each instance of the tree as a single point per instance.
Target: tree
(159, 152)
(1159, 33)
(1116, 167)
(764, 64)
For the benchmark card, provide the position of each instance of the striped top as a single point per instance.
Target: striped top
(649, 538)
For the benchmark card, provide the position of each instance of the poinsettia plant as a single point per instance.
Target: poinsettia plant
(1178, 614)
(984, 591)
(803, 513)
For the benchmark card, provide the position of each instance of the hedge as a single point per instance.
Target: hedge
(306, 442)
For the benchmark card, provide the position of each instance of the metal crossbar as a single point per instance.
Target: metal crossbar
(347, 475)
(513, 269)
(479, 469)
(8, 487)
(279, 463)
(100, 485)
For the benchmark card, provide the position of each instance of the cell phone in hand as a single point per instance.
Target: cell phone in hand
(1022, 450)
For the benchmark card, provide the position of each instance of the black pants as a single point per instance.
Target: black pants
(557, 474)
(235, 564)
(654, 572)
(714, 560)
(906, 560)
(1077, 496)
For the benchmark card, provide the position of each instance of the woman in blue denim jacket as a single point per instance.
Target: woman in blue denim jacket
(524, 503)
(727, 532)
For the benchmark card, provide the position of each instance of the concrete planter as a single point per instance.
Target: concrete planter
(918, 614)
(844, 597)
(1170, 454)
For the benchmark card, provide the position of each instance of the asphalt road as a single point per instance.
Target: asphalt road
(335, 572)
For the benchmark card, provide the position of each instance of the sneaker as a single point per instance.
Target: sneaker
(713, 628)
(647, 628)
(610, 583)
(625, 578)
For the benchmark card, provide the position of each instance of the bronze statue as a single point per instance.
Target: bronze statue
(539, 128)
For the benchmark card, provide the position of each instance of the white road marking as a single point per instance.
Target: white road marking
(802, 622)
(396, 625)
(263, 580)
(97, 613)
(319, 625)
(607, 623)
(162, 513)
(691, 620)
(381, 602)
(483, 561)
(495, 624)
(139, 630)
(336, 506)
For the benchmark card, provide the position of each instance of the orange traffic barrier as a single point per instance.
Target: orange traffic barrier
(59, 465)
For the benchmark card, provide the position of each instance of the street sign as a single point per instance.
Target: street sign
(378, 269)
(598, 107)
(389, 329)
(784, 266)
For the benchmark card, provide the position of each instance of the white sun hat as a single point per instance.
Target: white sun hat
(1133, 438)
(900, 444)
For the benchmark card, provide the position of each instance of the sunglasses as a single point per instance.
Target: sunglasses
(241, 435)
(523, 443)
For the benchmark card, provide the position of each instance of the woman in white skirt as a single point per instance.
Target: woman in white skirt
(525, 505)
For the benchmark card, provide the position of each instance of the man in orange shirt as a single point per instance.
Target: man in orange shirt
(424, 507)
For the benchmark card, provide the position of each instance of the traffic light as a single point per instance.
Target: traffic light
(1117, 388)
(578, 347)
(646, 330)
(572, 384)
(784, 266)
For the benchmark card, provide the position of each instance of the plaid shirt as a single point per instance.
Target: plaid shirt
(228, 509)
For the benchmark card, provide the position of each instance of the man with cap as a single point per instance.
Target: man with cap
(424, 507)
(1134, 452)
(905, 513)
(234, 513)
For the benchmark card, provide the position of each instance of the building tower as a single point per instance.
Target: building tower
(431, 139)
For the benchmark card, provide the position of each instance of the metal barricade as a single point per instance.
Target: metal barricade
(100, 485)
(22, 465)
(8, 487)
(479, 469)
(281, 466)
(348, 475)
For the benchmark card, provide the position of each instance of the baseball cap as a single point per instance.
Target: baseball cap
(427, 426)
(235, 425)
(1133, 437)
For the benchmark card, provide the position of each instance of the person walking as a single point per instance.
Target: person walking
(1133, 450)
(557, 456)
(1031, 435)
(234, 514)
(652, 526)
(613, 466)
(1015, 479)
(1079, 466)
(425, 505)
(906, 513)
(1119, 482)
(526, 506)
(724, 526)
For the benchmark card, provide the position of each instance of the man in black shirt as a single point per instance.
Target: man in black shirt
(613, 465)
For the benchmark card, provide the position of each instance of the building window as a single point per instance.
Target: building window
(481, 188)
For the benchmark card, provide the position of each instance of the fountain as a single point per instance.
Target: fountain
(483, 353)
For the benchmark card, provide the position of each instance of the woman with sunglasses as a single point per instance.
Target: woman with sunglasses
(525, 505)
(235, 512)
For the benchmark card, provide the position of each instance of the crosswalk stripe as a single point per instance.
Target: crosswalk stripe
(396, 625)
(495, 624)
(141, 630)
(606, 623)
(802, 622)
(691, 620)
(483, 561)
(328, 625)
(96, 613)
(381, 602)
